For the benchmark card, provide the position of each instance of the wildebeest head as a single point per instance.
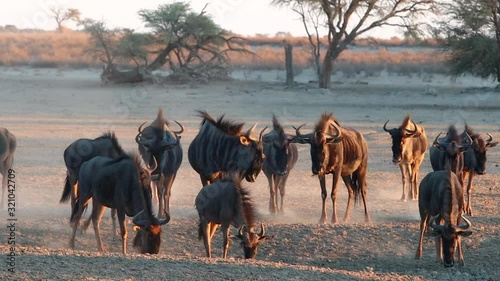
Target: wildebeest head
(279, 141)
(319, 140)
(250, 240)
(453, 146)
(450, 235)
(148, 227)
(157, 137)
(399, 137)
(479, 146)
(251, 155)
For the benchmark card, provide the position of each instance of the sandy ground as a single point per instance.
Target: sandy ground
(48, 109)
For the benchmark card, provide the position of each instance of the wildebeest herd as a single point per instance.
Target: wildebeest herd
(223, 154)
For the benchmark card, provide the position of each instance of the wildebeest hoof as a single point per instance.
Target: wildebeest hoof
(403, 199)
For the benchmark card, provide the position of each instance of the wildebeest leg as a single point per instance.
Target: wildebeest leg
(333, 195)
(167, 190)
(439, 248)
(423, 223)
(113, 219)
(80, 207)
(97, 212)
(460, 254)
(404, 178)
(272, 194)
(282, 183)
(123, 229)
(350, 190)
(413, 184)
(468, 207)
(361, 176)
(225, 231)
(205, 226)
(213, 228)
(323, 198)
(85, 224)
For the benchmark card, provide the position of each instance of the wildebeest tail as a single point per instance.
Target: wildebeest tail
(200, 231)
(74, 209)
(357, 188)
(66, 191)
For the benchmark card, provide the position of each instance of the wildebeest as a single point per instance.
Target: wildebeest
(340, 151)
(83, 150)
(441, 199)
(474, 160)
(447, 153)
(408, 150)
(121, 184)
(157, 141)
(220, 147)
(227, 203)
(8, 145)
(281, 156)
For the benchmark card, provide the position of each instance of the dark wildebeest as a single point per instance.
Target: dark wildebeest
(121, 184)
(227, 203)
(220, 147)
(474, 160)
(340, 151)
(157, 141)
(83, 150)
(281, 156)
(441, 199)
(408, 150)
(8, 145)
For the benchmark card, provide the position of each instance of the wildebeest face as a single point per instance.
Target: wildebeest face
(148, 239)
(450, 236)
(398, 142)
(250, 241)
(250, 158)
(480, 147)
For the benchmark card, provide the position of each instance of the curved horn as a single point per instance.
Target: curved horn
(262, 230)
(385, 128)
(181, 130)
(143, 142)
(469, 141)
(240, 231)
(140, 127)
(432, 223)
(297, 131)
(136, 221)
(250, 131)
(339, 132)
(261, 133)
(466, 225)
(490, 138)
(150, 170)
(436, 142)
(412, 132)
(157, 221)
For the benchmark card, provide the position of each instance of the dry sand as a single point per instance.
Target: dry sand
(48, 109)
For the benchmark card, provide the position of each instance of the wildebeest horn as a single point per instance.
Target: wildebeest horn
(240, 231)
(136, 221)
(181, 130)
(297, 131)
(157, 221)
(432, 223)
(339, 132)
(436, 142)
(261, 133)
(140, 127)
(262, 230)
(490, 139)
(412, 132)
(469, 142)
(150, 170)
(466, 225)
(250, 131)
(385, 128)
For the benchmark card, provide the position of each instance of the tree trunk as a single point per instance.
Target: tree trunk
(289, 65)
(161, 59)
(326, 71)
(111, 75)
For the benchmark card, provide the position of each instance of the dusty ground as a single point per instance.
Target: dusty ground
(48, 109)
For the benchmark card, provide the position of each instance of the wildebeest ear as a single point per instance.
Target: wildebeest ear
(244, 140)
(492, 144)
(464, 233)
(264, 238)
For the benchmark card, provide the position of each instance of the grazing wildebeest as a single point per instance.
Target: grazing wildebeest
(281, 156)
(157, 141)
(408, 151)
(441, 199)
(474, 160)
(121, 184)
(340, 151)
(227, 203)
(83, 150)
(220, 147)
(8, 145)
(447, 152)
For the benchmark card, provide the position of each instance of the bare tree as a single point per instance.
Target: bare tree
(345, 20)
(62, 15)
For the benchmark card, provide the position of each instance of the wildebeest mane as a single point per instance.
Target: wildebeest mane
(452, 134)
(277, 126)
(471, 132)
(114, 141)
(323, 123)
(449, 199)
(226, 126)
(405, 122)
(160, 120)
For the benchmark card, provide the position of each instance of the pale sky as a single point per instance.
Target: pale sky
(245, 17)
